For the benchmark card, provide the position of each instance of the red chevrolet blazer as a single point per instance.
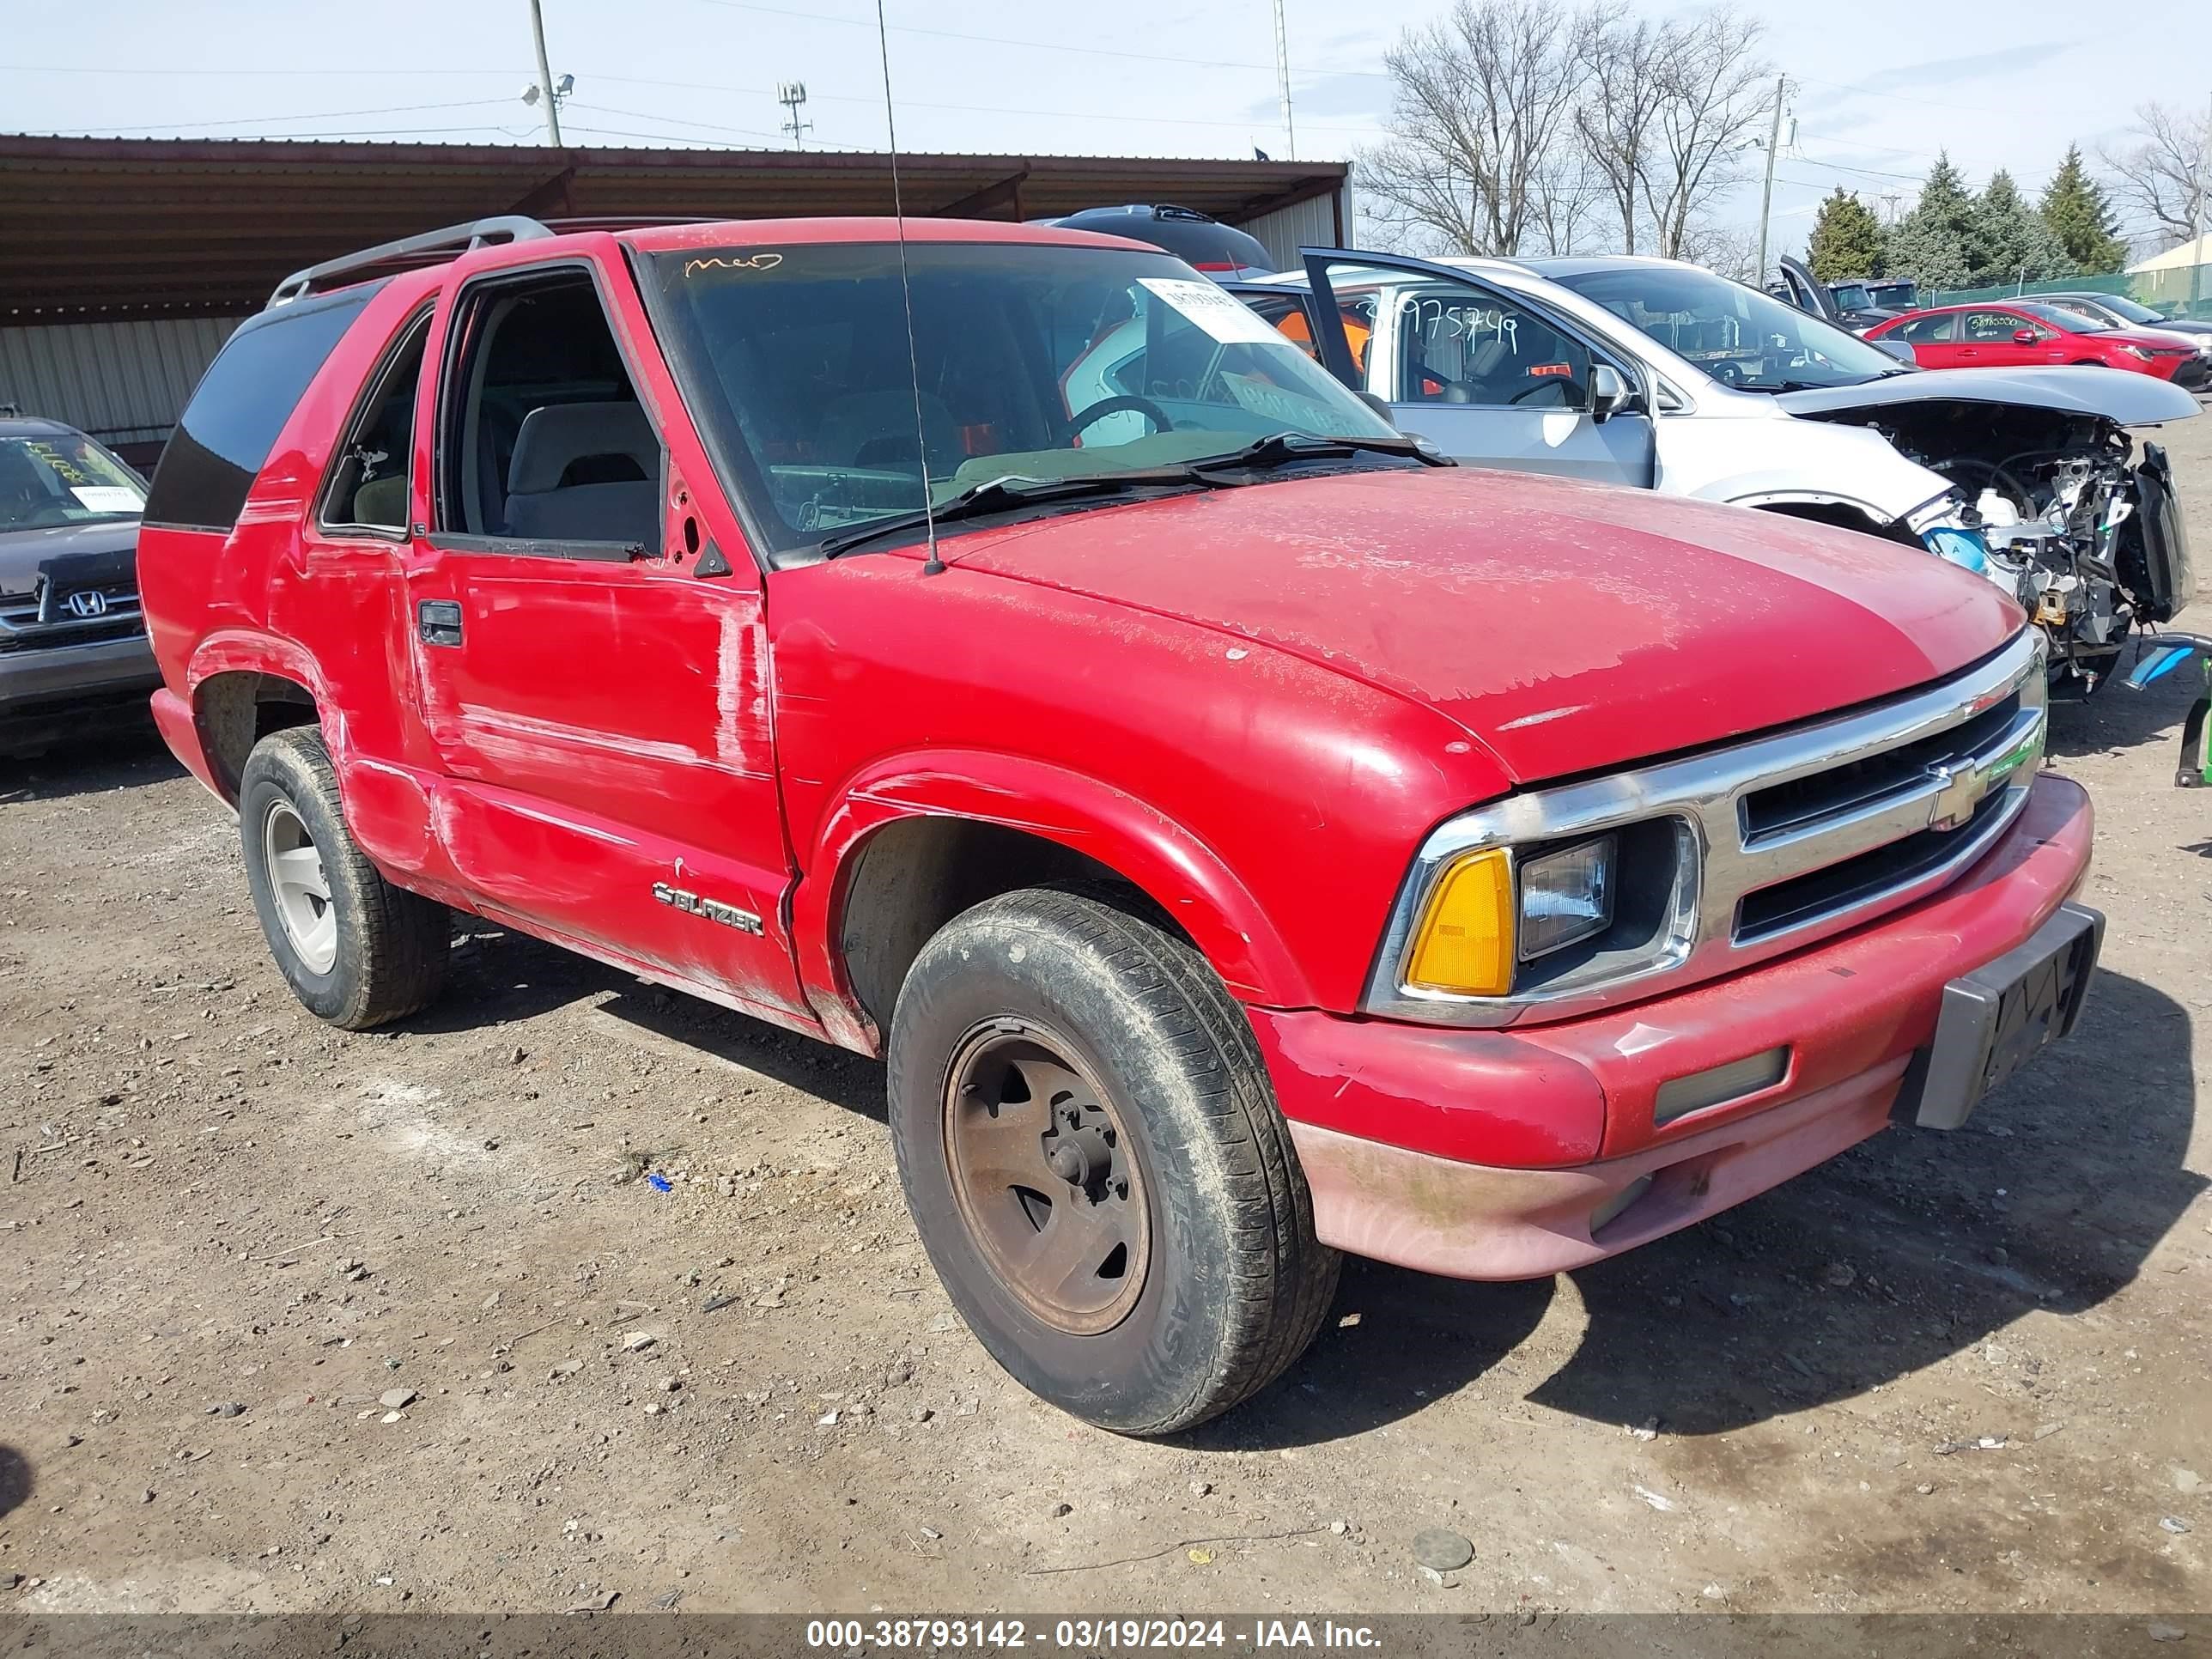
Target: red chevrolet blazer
(1244, 836)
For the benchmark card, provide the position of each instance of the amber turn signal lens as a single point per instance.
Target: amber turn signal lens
(1465, 942)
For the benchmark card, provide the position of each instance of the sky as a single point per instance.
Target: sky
(1877, 88)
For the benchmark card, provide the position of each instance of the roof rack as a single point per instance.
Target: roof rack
(451, 240)
(434, 246)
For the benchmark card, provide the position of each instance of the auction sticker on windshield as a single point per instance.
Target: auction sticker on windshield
(1220, 314)
(105, 498)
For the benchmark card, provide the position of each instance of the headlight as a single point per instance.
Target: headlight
(1485, 917)
(2137, 351)
(1566, 897)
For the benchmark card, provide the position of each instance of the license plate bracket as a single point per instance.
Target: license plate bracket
(1998, 1017)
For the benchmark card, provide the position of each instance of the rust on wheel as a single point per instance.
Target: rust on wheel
(1043, 1171)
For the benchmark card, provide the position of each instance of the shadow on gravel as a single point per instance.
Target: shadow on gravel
(1906, 1250)
(500, 975)
(15, 1482)
(124, 758)
(836, 1075)
(2117, 717)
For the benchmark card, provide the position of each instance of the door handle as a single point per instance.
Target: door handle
(439, 621)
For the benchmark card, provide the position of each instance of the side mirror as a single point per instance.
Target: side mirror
(1379, 404)
(1900, 350)
(2025, 337)
(1610, 394)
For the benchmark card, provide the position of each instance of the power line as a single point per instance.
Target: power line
(217, 74)
(968, 109)
(1032, 46)
(672, 120)
(317, 115)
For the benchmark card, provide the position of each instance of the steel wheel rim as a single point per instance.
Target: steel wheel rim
(1044, 1173)
(300, 887)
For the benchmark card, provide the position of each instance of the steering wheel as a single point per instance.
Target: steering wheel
(1726, 370)
(1566, 386)
(1105, 406)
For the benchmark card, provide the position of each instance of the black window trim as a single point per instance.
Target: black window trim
(356, 297)
(440, 538)
(416, 321)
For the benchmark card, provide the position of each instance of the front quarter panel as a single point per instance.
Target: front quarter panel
(1271, 805)
(1778, 460)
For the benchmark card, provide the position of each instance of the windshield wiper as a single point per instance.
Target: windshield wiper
(1293, 448)
(1008, 494)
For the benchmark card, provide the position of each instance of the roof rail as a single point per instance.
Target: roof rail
(453, 239)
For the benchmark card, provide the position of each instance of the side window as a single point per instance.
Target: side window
(1289, 315)
(540, 436)
(368, 487)
(242, 402)
(1988, 327)
(1461, 345)
(1930, 330)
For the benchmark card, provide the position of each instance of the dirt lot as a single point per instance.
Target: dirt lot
(232, 1233)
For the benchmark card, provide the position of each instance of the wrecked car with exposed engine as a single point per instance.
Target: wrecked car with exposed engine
(1663, 376)
(1245, 836)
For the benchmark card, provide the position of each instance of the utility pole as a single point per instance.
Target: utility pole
(792, 94)
(1283, 78)
(1767, 194)
(2203, 191)
(545, 76)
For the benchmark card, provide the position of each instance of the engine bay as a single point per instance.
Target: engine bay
(2075, 526)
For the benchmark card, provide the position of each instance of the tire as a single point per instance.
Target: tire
(368, 952)
(1181, 1154)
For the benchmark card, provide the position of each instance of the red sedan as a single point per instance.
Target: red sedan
(2022, 333)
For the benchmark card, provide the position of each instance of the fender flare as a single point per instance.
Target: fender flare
(1142, 845)
(237, 650)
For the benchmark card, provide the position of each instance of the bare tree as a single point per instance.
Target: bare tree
(1571, 209)
(1527, 126)
(1482, 104)
(2158, 176)
(1716, 91)
(1731, 250)
(1624, 60)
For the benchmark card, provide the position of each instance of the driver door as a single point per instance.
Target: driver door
(1489, 378)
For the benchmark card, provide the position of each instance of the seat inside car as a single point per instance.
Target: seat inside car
(587, 473)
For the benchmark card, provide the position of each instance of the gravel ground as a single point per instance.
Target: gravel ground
(298, 1321)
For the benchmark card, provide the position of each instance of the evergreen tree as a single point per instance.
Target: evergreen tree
(1930, 244)
(2006, 241)
(1846, 239)
(2075, 207)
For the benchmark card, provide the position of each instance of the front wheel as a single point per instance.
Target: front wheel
(1096, 1163)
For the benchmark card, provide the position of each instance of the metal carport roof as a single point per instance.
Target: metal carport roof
(98, 228)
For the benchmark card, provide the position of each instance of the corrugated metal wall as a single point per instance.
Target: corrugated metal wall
(125, 383)
(1308, 224)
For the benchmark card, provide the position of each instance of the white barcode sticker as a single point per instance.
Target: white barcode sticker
(106, 498)
(1219, 312)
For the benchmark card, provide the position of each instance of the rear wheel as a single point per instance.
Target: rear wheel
(356, 950)
(1096, 1163)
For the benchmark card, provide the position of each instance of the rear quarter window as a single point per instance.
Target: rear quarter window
(242, 403)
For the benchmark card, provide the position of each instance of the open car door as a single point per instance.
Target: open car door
(1807, 294)
(1488, 376)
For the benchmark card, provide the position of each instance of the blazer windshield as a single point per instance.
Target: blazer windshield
(1036, 361)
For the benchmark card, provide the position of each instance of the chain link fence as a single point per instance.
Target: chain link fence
(2183, 291)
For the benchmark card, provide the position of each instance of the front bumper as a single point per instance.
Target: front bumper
(64, 690)
(1489, 1154)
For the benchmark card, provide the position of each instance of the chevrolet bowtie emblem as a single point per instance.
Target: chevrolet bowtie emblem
(1963, 786)
(1960, 792)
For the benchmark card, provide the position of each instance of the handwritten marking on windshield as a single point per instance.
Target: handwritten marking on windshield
(734, 262)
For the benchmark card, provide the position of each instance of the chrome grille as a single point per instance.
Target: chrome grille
(53, 616)
(1786, 839)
